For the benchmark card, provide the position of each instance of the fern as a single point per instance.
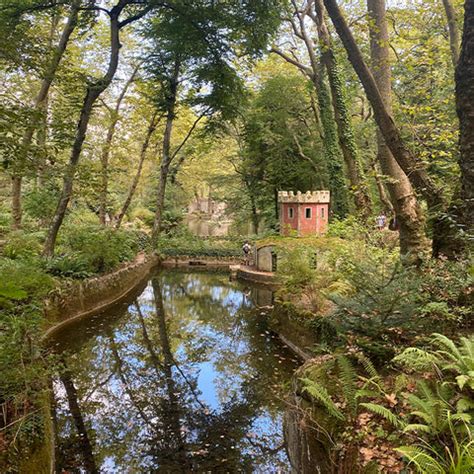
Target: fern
(416, 359)
(348, 378)
(368, 366)
(444, 342)
(384, 413)
(319, 392)
(417, 427)
(423, 461)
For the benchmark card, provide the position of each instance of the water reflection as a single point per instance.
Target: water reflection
(186, 379)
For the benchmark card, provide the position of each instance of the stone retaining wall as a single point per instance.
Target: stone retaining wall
(184, 261)
(86, 297)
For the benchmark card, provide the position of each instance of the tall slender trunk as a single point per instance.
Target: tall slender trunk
(407, 210)
(453, 31)
(384, 199)
(166, 156)
(465, 110)
(105, 155)
(93, 93)
(316, 74)
(38, 106)
(347, 142)
(75, 409)
(172, 408)
(151, 129)
(328, 118)
(413, 168)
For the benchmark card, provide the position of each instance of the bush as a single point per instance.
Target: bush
(185, 244)
(41, 203)
(296, 267)
(22, 245)
(21, 282)
(5, 222)
(69, 266)
(89, 249)
(144, 215)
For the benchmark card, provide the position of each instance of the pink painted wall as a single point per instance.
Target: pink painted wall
(315, 224)
(286, 222)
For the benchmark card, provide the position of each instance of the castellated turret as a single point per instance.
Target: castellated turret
(306, 213)
(308, 197)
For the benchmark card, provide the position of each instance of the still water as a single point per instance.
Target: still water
(184, 377)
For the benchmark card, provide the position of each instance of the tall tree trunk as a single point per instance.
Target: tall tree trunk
(347, 142)
(384, 199)
(75, 409)
(166, 156)
(337, 184)
(453, 31)
(104, 157)
(150, 130)
(171, 405)
(412, 167)
(38, 106)
(465, 110)
(407, 210)
(94, 91)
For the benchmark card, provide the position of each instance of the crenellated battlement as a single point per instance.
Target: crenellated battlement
(319, 197)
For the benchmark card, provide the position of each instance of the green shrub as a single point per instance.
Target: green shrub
(185, 244)
(143, 215)
(21, 282)
(69, 266)
(22, 245)
(296, 266)
(41, 203)
(349, 229)
(90, 249)
(429, 407)
(5, 222)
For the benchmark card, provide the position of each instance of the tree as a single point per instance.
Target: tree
(104, 157)
(453, 31)
(94, 90)
(191, 45)
(465, 110)
(344, 122)
(143, 152)
(407, 161)
(407, 210)
(39, 108)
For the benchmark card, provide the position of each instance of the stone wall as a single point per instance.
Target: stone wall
(81, 298)
(204, 261)
(265, 258)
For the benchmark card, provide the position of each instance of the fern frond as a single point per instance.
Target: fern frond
(465, 417)
(348, 376)
(442, 341)
(417, 427)
(423, 462)
(384, 413)
(425, 416)
(416, 359)
(363, 392)
(368, 366)
(401, 381)
(319, 393)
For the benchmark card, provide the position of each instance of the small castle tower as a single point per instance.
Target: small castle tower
(307, 213)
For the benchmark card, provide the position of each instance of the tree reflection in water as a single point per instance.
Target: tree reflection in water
(187, 380)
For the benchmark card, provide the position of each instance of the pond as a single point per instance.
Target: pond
(183, 377)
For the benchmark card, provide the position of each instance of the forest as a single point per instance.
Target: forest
(143, 132)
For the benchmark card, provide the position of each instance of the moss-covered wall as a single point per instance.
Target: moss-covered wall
(81, 298)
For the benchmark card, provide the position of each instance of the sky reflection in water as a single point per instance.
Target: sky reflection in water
(184, 378)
